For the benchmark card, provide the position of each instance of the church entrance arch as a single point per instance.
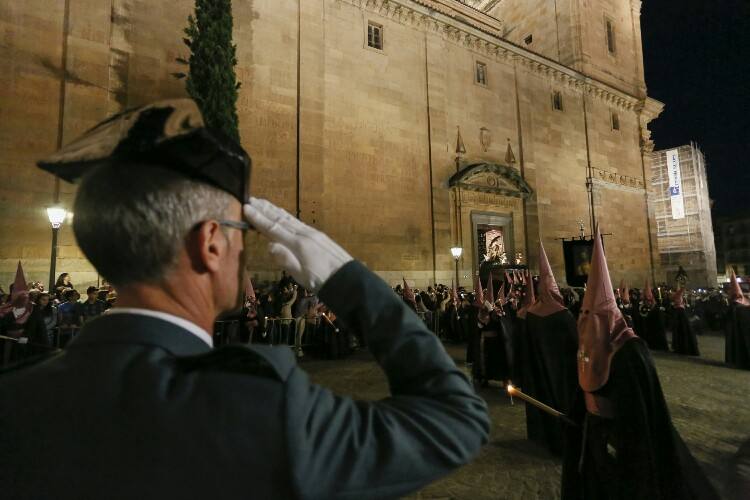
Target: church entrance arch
(489, 197)
(493, 178)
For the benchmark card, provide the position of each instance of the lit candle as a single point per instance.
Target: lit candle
(513, 391)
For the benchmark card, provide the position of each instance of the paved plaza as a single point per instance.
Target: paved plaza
(708, 402)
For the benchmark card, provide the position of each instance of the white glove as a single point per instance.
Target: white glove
(23, 340)
(308, 255)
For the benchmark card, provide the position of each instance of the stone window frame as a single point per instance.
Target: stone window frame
(380, 27)
(556, 98)
(610, 29)
(477, 64)
(614, 121)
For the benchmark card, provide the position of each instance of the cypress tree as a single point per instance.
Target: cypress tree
(211, 80)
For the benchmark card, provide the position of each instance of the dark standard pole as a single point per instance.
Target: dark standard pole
(456, 273)
(53, 260)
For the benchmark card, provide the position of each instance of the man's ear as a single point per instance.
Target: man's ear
(206, 245)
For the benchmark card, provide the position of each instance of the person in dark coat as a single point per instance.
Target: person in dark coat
(737, 327)
(684, 340)
(624, 445)
(549, 354)
(141, 406)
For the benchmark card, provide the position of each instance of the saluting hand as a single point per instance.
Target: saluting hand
(307, 254)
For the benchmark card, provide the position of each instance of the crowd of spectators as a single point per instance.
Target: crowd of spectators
(282, 312)
(58, 313)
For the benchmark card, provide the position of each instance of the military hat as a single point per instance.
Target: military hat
(169, 134)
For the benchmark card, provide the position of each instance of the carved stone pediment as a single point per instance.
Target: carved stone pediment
(491, 178)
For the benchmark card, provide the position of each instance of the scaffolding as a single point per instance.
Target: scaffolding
(688, 241)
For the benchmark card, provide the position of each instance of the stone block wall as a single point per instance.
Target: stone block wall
(377, 129)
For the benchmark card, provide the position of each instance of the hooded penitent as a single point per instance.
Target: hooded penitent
(528, 298)
(602, 329)
(735, 291)
(19, 295)
(20, 303)
(478, 293)
(490, 290)
(409, 293)
(624, 292)
(678, 299)
(249, 290)
(648, 294)
(550, 299)
(501, 295)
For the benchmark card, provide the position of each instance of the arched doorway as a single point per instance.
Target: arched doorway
(489, 199)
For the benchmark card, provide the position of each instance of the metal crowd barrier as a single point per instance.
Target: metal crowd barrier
(272, 331)
(61, 335)
(14, 351)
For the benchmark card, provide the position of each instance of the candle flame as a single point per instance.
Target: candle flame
(511, 388)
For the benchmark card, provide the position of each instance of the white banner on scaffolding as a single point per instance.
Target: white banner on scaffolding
(675, 184)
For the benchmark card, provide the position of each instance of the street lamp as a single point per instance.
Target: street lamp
(456, 252)
(56, 216)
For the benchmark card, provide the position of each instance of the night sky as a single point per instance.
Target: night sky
(697, 60)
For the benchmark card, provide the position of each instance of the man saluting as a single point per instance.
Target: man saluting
(141, 406)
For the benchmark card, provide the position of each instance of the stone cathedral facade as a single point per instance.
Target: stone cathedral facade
(402, 128)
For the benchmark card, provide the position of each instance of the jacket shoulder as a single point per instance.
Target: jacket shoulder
(261, 361)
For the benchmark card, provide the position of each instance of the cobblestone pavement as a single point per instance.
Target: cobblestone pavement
(708, 402)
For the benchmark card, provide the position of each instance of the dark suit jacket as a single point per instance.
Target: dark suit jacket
(137, 408)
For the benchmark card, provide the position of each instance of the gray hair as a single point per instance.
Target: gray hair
(131, 219)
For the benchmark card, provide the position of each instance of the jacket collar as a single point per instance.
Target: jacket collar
(139, 329)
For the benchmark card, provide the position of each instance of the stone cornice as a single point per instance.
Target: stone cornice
(469, 15)
(648, 110)
(448, 19)
(614, 180)
(616, 186)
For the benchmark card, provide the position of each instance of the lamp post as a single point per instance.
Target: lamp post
(456, 252)
(56, 216)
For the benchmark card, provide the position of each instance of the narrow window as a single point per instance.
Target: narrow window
(481, 73)
(557, 102)
(610, 27)
(528, 40)
(375, 36)
(615, 121)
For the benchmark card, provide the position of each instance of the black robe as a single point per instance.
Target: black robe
(549, 374)
(737, 328)
(684, 340)
(491, 358)
(518, 337)
(639, 322)
(469, 324)
(651, 329)
(638, 454)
